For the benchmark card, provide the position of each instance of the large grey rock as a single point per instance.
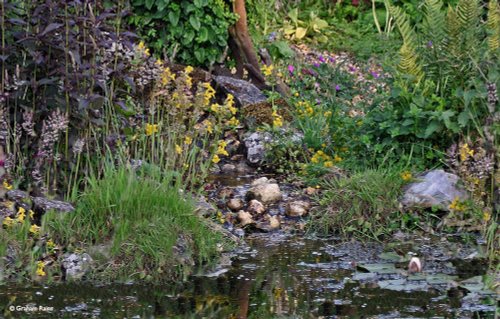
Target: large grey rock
(76, 265)
(244, 92)
(265, 193)
(436, 188)
(297, 208)
(255, 145)
(45, 205)
(17, 195)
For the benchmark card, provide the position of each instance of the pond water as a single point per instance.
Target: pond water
(277, 276)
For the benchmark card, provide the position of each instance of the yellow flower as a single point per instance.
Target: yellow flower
(50, 244)
(328, 164)
(296, 94)
(314, 159)
(178, 149)
(7, 186)
(327, 114)
(151, 129)
(214, 107)
(233, 122)
(34, 229)
(167, 76)
(8, 222)
(486, 216)
(209, 93)
(216, 159)
(465, 152)
(406, 176)
(209, 126)
(337, 159)
(188, 140)
(141, 47)
(159, 62)
(40, 268)
(277, 122)
(456, 205)
(185, 166)
(188, 69)
(21, 214)
(267, 70)
(32, 214)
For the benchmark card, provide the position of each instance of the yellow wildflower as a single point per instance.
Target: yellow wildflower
(314, 159)
(8, 222)
(151, 129)
(167, 76)
(327, 114)
(7, 186)
(233, 122)
(159, 62)
(215, 107)
(32, 214)
(456, 205)
(40, 268)
(188, 69)
(185, 166)
(465, 152)
(267, 70)
(208, 124)
(406, 176)
(188, 140)
(209, 93)
(178, 149)
(296, 94)
(216, 159)
(277, 122)
(337, 158)
(328, 164)
(486, 216)
(50, 244)
(34, 229)
(21, 214)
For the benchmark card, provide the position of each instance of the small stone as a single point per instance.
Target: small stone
(256, 207)
(76, 265)
(228, 168)
(310, 191)
(237, 157)
(245, 218)
(297, 208)
(274, 222)
(265, 193)
(44, 205)
(226, 192)
(242, 167)
(235, 204)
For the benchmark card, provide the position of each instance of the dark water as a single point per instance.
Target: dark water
(277, 277)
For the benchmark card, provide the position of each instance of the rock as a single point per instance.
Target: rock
(255, 145)
(17, 196)
(310, 191)
(256, 207)
(245, 93)
(274, 222)
(204, 208)
(242, 167)
(76, 265)
(436, 189)
(245, 218)
(297, 208)
(235, 204)
(237, 157)
(260, 181)
(44, 205)
(228, 168)
(265, 193)
(226, 192)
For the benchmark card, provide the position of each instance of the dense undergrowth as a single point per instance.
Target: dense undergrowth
(80, 90)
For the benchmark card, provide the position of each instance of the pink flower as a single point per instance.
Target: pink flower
(291, 69)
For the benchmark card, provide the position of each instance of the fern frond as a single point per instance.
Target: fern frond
(453, 27)
(403, 23)
(434, 22)
(468, 13)
(408, 63)
(493, 25)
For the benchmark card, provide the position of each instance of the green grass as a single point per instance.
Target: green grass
(141, 218)
(363, 204)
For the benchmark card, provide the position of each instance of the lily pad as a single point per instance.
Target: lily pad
(390, 256)
(381, 268)
(440, 279)
(475, 284)
(402, 285)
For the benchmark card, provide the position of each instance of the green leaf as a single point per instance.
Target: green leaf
(433, 127)
(463, 118)
(173, 17)
(300, 33)
(203, 35)
(149, 4)
(162, 4)
(195, 22)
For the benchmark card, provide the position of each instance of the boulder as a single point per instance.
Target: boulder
(245, 218)
(255, 145)
(245, 93)
(297, 208)
(255, 207)
(235, 204)
(44, 205)
(435, 188)
(260, 181)
(76, 265)
(265, 193)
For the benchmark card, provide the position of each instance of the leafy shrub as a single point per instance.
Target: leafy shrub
(192, 32)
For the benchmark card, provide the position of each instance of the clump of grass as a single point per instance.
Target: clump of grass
(145, 219)
(361, 204)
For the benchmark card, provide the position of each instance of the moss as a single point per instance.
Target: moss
(261, 113)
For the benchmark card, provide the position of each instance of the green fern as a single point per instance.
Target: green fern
(493, 26)
(468, 13)
(434, 22)
(408, 63)
(403, 24)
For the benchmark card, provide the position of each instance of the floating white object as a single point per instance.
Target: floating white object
(414, 265)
